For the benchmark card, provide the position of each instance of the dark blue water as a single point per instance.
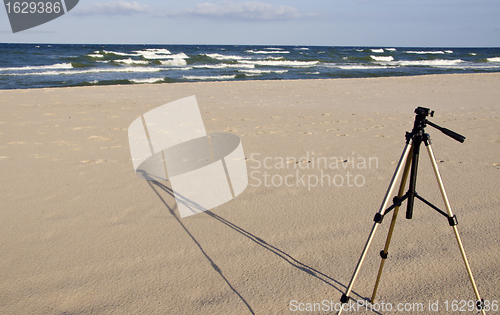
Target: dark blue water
(24, 66)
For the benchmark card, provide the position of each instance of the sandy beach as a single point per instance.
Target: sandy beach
(81, 234)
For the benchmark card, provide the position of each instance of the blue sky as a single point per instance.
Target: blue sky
(397, 23)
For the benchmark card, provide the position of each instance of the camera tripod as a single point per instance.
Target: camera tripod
(408, 164)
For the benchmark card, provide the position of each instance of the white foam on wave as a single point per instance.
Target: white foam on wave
(382, 58)
(267, 52)
(95, 55)
(109, 52)
(472, 54)
(95, 70)
(154, 55)
(430, 63)
(390, 49)
(361, 67)
(226, 57)
(54, 66)
(274, 48)
(158, 50)
(302, 48)
(131, 61)
(257, 71)
(378, 50)
(176, 62)
(281, 63)
(224, 65)
(148, 80)
(425, 52)
(493, 59)
(218, 77)
(448, 51)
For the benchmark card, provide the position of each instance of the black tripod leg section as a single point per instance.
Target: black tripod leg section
(413, 176)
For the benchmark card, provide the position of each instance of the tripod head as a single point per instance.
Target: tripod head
(421, 122)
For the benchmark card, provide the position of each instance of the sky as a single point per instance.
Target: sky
(394, 23)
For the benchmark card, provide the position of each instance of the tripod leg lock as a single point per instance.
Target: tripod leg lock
(344, 299)
(378, 218)
(384, 254)
(453, 220)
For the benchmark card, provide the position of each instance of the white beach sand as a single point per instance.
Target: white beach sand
(81, 234)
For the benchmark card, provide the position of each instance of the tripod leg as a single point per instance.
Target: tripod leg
(380, 214)
(393, 223)
(450, 215)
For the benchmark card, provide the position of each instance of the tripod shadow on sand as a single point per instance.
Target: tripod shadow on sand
(280, 253)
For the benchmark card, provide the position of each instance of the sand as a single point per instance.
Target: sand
(81, 234)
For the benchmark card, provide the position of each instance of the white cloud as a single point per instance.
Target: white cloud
(252, 10)
(226, 10)
(113, 8)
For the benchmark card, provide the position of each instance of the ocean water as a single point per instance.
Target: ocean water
(25, 66)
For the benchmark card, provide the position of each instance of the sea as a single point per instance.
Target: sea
(26, 66)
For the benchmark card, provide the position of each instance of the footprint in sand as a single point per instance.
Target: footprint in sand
(63, 143)
(381, 136)
(361, 129)
(80, 128)
(306, 133)
(326, 114)
(305, 117)
(378, 126)
(93, 161)
(332, 129)
(342, 135)
(38, 156)
(99, 138)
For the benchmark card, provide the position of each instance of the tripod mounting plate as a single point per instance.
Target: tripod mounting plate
(422, 111)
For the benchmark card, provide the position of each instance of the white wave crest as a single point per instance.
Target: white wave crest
(109, 52)
(256, 71)
(425, 52)
(131, 61)
(176, 62)
(281, 63)
(95, 70)
(430, 63)
(493, 59)
(95, 55)
(361, 67)
(377, 50)
(267, 51)
(390, 49)
(224, 65)
(148, 80)
(226, 57)
(219, 77)
(54, 66)
(382, 58)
